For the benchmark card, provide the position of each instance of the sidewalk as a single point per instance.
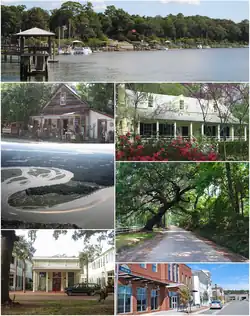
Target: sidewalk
(194, 311)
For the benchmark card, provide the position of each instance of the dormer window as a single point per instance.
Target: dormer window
(63, 98)
(150, 101)
(181, 104)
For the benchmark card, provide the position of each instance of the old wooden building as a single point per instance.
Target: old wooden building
(68, 117)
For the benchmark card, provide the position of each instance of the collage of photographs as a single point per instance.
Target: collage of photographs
(125, 157)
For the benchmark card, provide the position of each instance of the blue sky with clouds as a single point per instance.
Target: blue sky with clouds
(235, 10)
(229, 276)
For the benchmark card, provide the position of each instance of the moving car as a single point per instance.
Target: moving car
(216, 304)
(83, 288)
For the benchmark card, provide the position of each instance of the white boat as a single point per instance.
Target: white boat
(75, 51)
(199, 46)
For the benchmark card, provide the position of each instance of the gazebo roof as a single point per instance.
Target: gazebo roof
(35, 31)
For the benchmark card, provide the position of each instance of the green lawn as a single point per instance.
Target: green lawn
(73, 307)
(131, 239)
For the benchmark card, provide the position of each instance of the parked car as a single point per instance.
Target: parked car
(216, 304)
(83, 288)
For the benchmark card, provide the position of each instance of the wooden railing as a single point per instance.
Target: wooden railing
(124, 230)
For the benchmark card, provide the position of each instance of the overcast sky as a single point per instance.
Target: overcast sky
(46, 245)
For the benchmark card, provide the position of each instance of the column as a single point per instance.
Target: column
(191, 130)
(47, 281)
(245, 133)
(202, 129)
(138, 128)
(67, 279)
(62, 280)
(174, 129)
(34, 281)
(218, 132)
(232, 132)
(157, 129)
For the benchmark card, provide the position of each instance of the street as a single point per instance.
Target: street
(233, 308)
(178, 245)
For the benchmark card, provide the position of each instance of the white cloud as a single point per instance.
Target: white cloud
(235, 286)
(182, 1)
(99, 5)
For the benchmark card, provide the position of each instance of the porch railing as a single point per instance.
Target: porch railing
(171, 138)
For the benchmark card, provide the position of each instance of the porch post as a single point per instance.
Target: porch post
(34, 281)
(67, 279)
(62, 280)
(138, 128)
(245, 133)
(232, 132)
(157, 129)
(174, 129)
(218, 132)
(191, 130)
(47, 281)
(202, 129)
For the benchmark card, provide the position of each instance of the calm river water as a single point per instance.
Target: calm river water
(221, 64)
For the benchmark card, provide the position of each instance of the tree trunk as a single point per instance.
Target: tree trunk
(230, 184)
(156, 218)
(7, 244)
(24, 277)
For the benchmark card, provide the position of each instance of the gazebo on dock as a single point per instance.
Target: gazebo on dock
(34, 56)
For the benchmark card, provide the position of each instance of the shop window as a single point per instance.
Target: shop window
(154, 299)
(143, 265)
(169, 271)
(154, 267)
(63, 98)
(124, 299)
(141, 295)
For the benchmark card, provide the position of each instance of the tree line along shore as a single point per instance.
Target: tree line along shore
(118, 29)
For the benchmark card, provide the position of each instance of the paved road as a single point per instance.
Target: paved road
(234, 308)
(178, 245)
(94, 211)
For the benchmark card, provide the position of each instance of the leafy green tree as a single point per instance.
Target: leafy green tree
(24, 251)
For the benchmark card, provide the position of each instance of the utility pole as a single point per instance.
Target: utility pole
(216, 291)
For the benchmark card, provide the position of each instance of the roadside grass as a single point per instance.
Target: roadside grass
(72, 307)
(132, 239)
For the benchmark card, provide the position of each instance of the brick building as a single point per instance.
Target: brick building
(144, 288)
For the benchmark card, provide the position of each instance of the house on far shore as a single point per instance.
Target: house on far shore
(67, 117)
(167, 117)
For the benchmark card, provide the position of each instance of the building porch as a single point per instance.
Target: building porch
(187, 130)
(54, 280)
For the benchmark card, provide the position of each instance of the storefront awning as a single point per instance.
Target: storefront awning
(132, 277)
(172, 285)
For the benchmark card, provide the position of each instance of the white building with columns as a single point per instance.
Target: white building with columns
(17, 270)
(55, 273)
(167, 116)
(202, 287)
(101, 270)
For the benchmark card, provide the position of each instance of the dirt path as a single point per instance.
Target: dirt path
(178, 245)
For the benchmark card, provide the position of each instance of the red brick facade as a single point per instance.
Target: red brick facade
(162, 280)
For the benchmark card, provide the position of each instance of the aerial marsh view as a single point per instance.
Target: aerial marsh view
(125, 41)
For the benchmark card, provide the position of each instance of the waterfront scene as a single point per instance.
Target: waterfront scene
(218, 64)
(120, 41)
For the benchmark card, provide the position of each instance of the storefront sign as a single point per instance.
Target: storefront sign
(124, 268)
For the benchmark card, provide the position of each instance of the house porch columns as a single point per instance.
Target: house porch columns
(191, 130)
(62, 280)
(67, 279)
(157, 129)
(202, 129)
(245, 133)
(138, 128)
(232, 132)
(175, 133)
(218, 132)
(47, 281)
(34, 281)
